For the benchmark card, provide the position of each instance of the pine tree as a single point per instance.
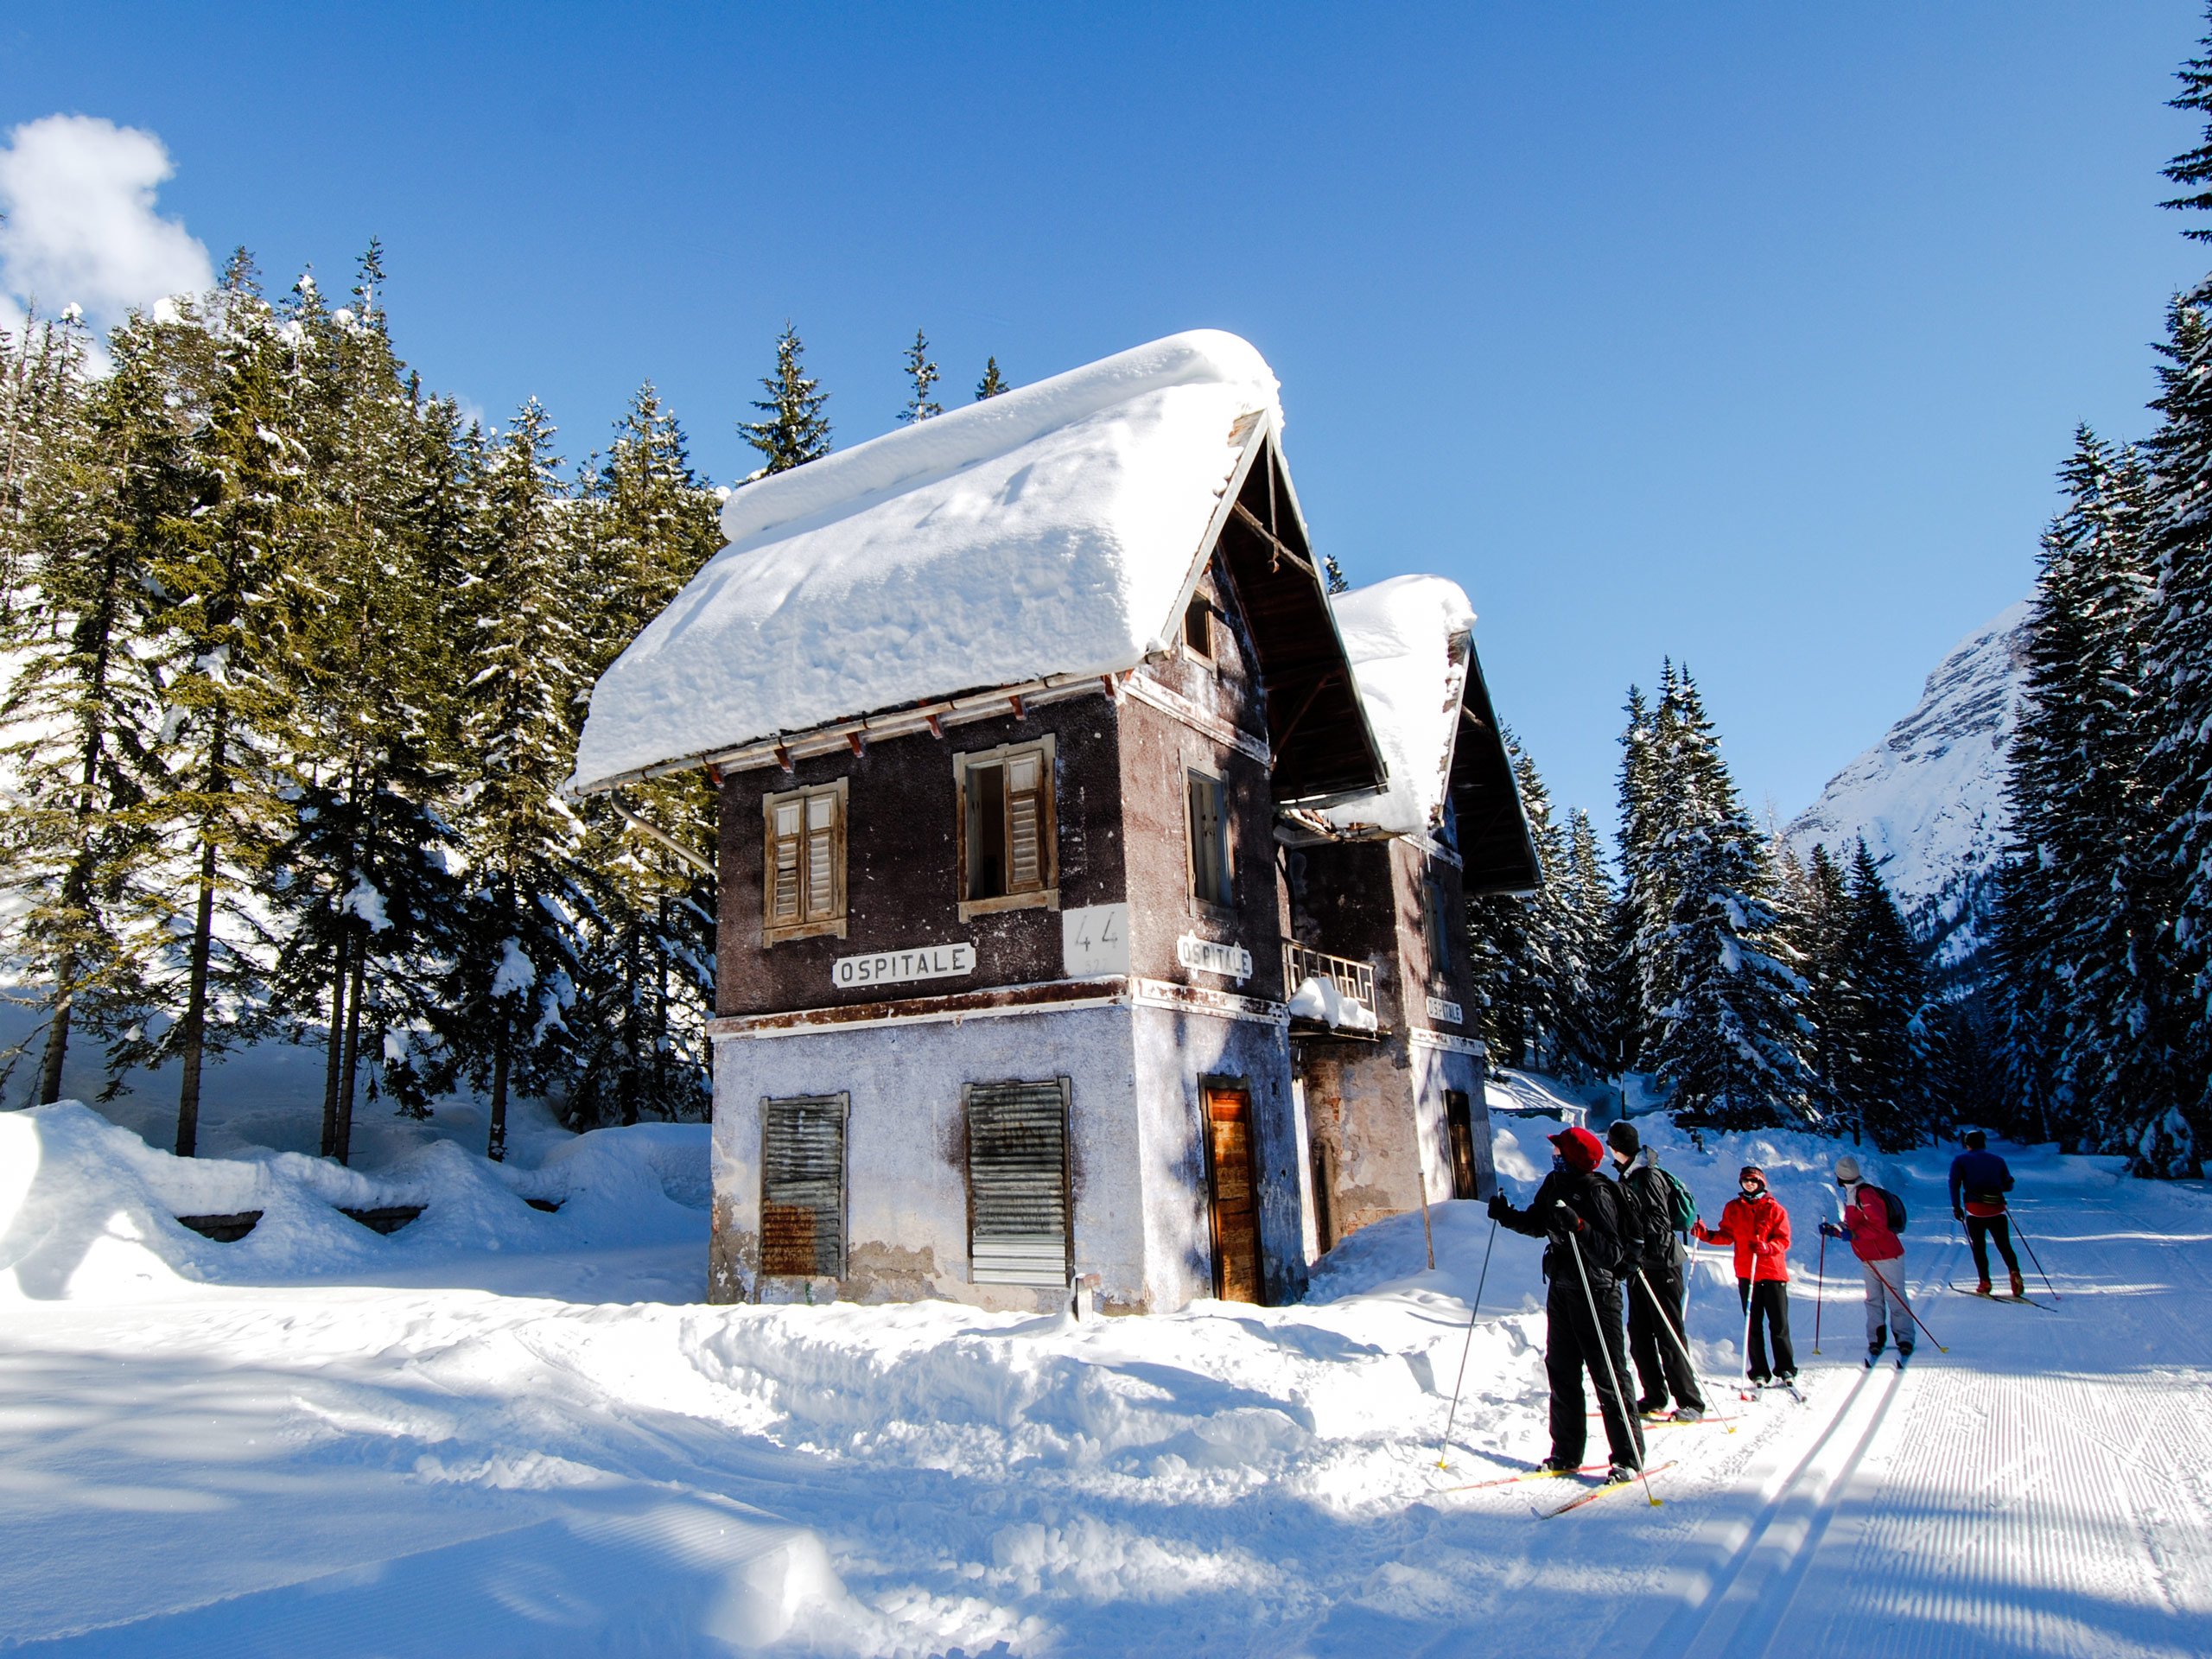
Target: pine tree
(1731, 1041)
(1583, 1037)
(1821, 912)
(1641, 976)
(1885, 1088)
(516, 978)
(993, 382)
(796, 430)
(923, 373)
(2193, 167)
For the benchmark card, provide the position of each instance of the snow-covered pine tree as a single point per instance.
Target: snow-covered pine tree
(1641, 977)
(516, 977)
(796, 431)
(993, 382)
(1820, 913)
(645, 988)
(1514, 941)
(1886, 1087)
(2192, 169)
(923, 373)
(1731, 1042)
(94, 469)
(360, 874)
(216, 567)
(1583, 1037)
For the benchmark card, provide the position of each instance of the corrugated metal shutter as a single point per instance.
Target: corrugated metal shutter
(802, 1186)
(1018, 1183)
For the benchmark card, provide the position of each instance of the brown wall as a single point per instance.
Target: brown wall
(902, 883)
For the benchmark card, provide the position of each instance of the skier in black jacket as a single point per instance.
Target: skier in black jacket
(1653, 1283)
(1576, 1201)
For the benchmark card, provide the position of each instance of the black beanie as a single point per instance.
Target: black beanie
(1623, 1137)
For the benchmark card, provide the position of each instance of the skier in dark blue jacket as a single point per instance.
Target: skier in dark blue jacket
(1980, 1181)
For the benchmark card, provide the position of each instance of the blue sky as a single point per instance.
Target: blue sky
(1750, 334)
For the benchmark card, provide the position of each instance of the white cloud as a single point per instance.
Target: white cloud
(80, 229)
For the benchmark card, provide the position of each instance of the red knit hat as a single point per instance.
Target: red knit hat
(1581, 1149)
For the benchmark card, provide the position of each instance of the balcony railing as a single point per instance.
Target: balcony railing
(1353, 984)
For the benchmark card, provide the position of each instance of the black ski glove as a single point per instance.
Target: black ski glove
(1499, 1209)
(1565, 1221)
(1957, 1215)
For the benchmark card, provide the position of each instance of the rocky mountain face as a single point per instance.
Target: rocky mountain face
(1929, 798)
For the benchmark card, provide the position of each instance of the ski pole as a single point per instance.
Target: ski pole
(1682, 1346)
(1820, 1290)
(1750, 1288)
(1615, 1387)
(1908, 1307)
(2040, 1274)
(1480, 1281)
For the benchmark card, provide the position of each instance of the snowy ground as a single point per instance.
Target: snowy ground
(500, 1431)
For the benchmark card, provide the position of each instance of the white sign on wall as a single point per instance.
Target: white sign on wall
(1212, 957)
(891, 967)
(1440, 1009)
(1095, 940)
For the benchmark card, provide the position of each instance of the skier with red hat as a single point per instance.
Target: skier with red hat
(1591, 1239)
(1756, 1224)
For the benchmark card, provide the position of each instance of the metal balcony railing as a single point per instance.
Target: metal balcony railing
(1353, 979)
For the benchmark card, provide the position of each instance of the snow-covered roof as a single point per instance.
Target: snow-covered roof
(1052, 531)
(1409, 641)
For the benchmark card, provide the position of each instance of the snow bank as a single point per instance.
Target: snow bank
(1048, 531)
(88, 1210)
(1407, 640)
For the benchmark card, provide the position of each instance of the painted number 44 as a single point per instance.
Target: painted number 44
(1095, 940)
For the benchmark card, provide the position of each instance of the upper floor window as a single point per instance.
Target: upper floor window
(1435, 928)
(1209, 815)
(804, 883)
(1007, 830)
(1197, 627)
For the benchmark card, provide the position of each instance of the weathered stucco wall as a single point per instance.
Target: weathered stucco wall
(905, 1151)
(1176, 1052)
(1376, 1111)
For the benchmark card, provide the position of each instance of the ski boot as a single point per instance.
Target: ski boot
(1688, 1414)
(1874, 1348)
(2019, 1290)
(1982, 1289)
(1619, 1474)
(1905, 1352)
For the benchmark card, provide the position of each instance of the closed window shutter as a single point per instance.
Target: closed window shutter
(821, 852)
(1025, 824)
(803, 1186)
(1209, 873)
(785, 901)
(1018, 1184)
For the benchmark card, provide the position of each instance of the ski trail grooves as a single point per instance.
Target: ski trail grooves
(1731, 1608)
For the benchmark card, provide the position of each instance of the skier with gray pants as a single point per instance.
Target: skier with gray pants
(1865, 1228)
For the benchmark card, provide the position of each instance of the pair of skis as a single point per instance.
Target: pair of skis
(1992, 1296)
(1575, 1503)
(1757, 1388)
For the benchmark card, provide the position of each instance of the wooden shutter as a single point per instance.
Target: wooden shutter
(784, 898)
(821, 856)
(1018, 1183)
(803, 1186)
(1025, 823)
(1459, 1128)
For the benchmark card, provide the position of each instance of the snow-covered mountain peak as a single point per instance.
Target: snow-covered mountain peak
(1929, 798)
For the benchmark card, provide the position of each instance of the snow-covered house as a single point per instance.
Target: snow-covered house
(1022, 717)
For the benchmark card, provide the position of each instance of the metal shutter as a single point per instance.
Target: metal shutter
(803, 1186)
(1018, 1183)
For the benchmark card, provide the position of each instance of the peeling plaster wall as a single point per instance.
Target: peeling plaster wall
(906, 1152)
(1175, 1052)
(1377, 1111)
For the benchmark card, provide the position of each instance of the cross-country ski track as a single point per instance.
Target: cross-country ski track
(493, 1450)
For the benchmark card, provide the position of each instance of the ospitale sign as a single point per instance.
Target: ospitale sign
(891, 967)
(1212, 957)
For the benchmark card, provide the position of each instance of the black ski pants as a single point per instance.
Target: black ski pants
(1570, 1345)
(1766, 1317)
(1980, 1230)
(1654, 1336)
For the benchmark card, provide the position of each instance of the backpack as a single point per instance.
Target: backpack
(1684, 1205)
(1891, 1203)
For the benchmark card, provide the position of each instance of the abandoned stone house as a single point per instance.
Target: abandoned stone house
(1087, 884)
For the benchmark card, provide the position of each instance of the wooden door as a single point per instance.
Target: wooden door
(1233, 1201)
(1459, 1127)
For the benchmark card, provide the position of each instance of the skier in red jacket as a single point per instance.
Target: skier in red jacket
(1881, 1257)
(1758, 1226)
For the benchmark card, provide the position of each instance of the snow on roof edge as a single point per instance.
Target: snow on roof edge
(1409, 639)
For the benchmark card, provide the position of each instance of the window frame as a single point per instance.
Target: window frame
(834, 925)
(1225, 905)
(1199, 604)
(1045, 896)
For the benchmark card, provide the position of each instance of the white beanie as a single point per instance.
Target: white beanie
(1847, 1168)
